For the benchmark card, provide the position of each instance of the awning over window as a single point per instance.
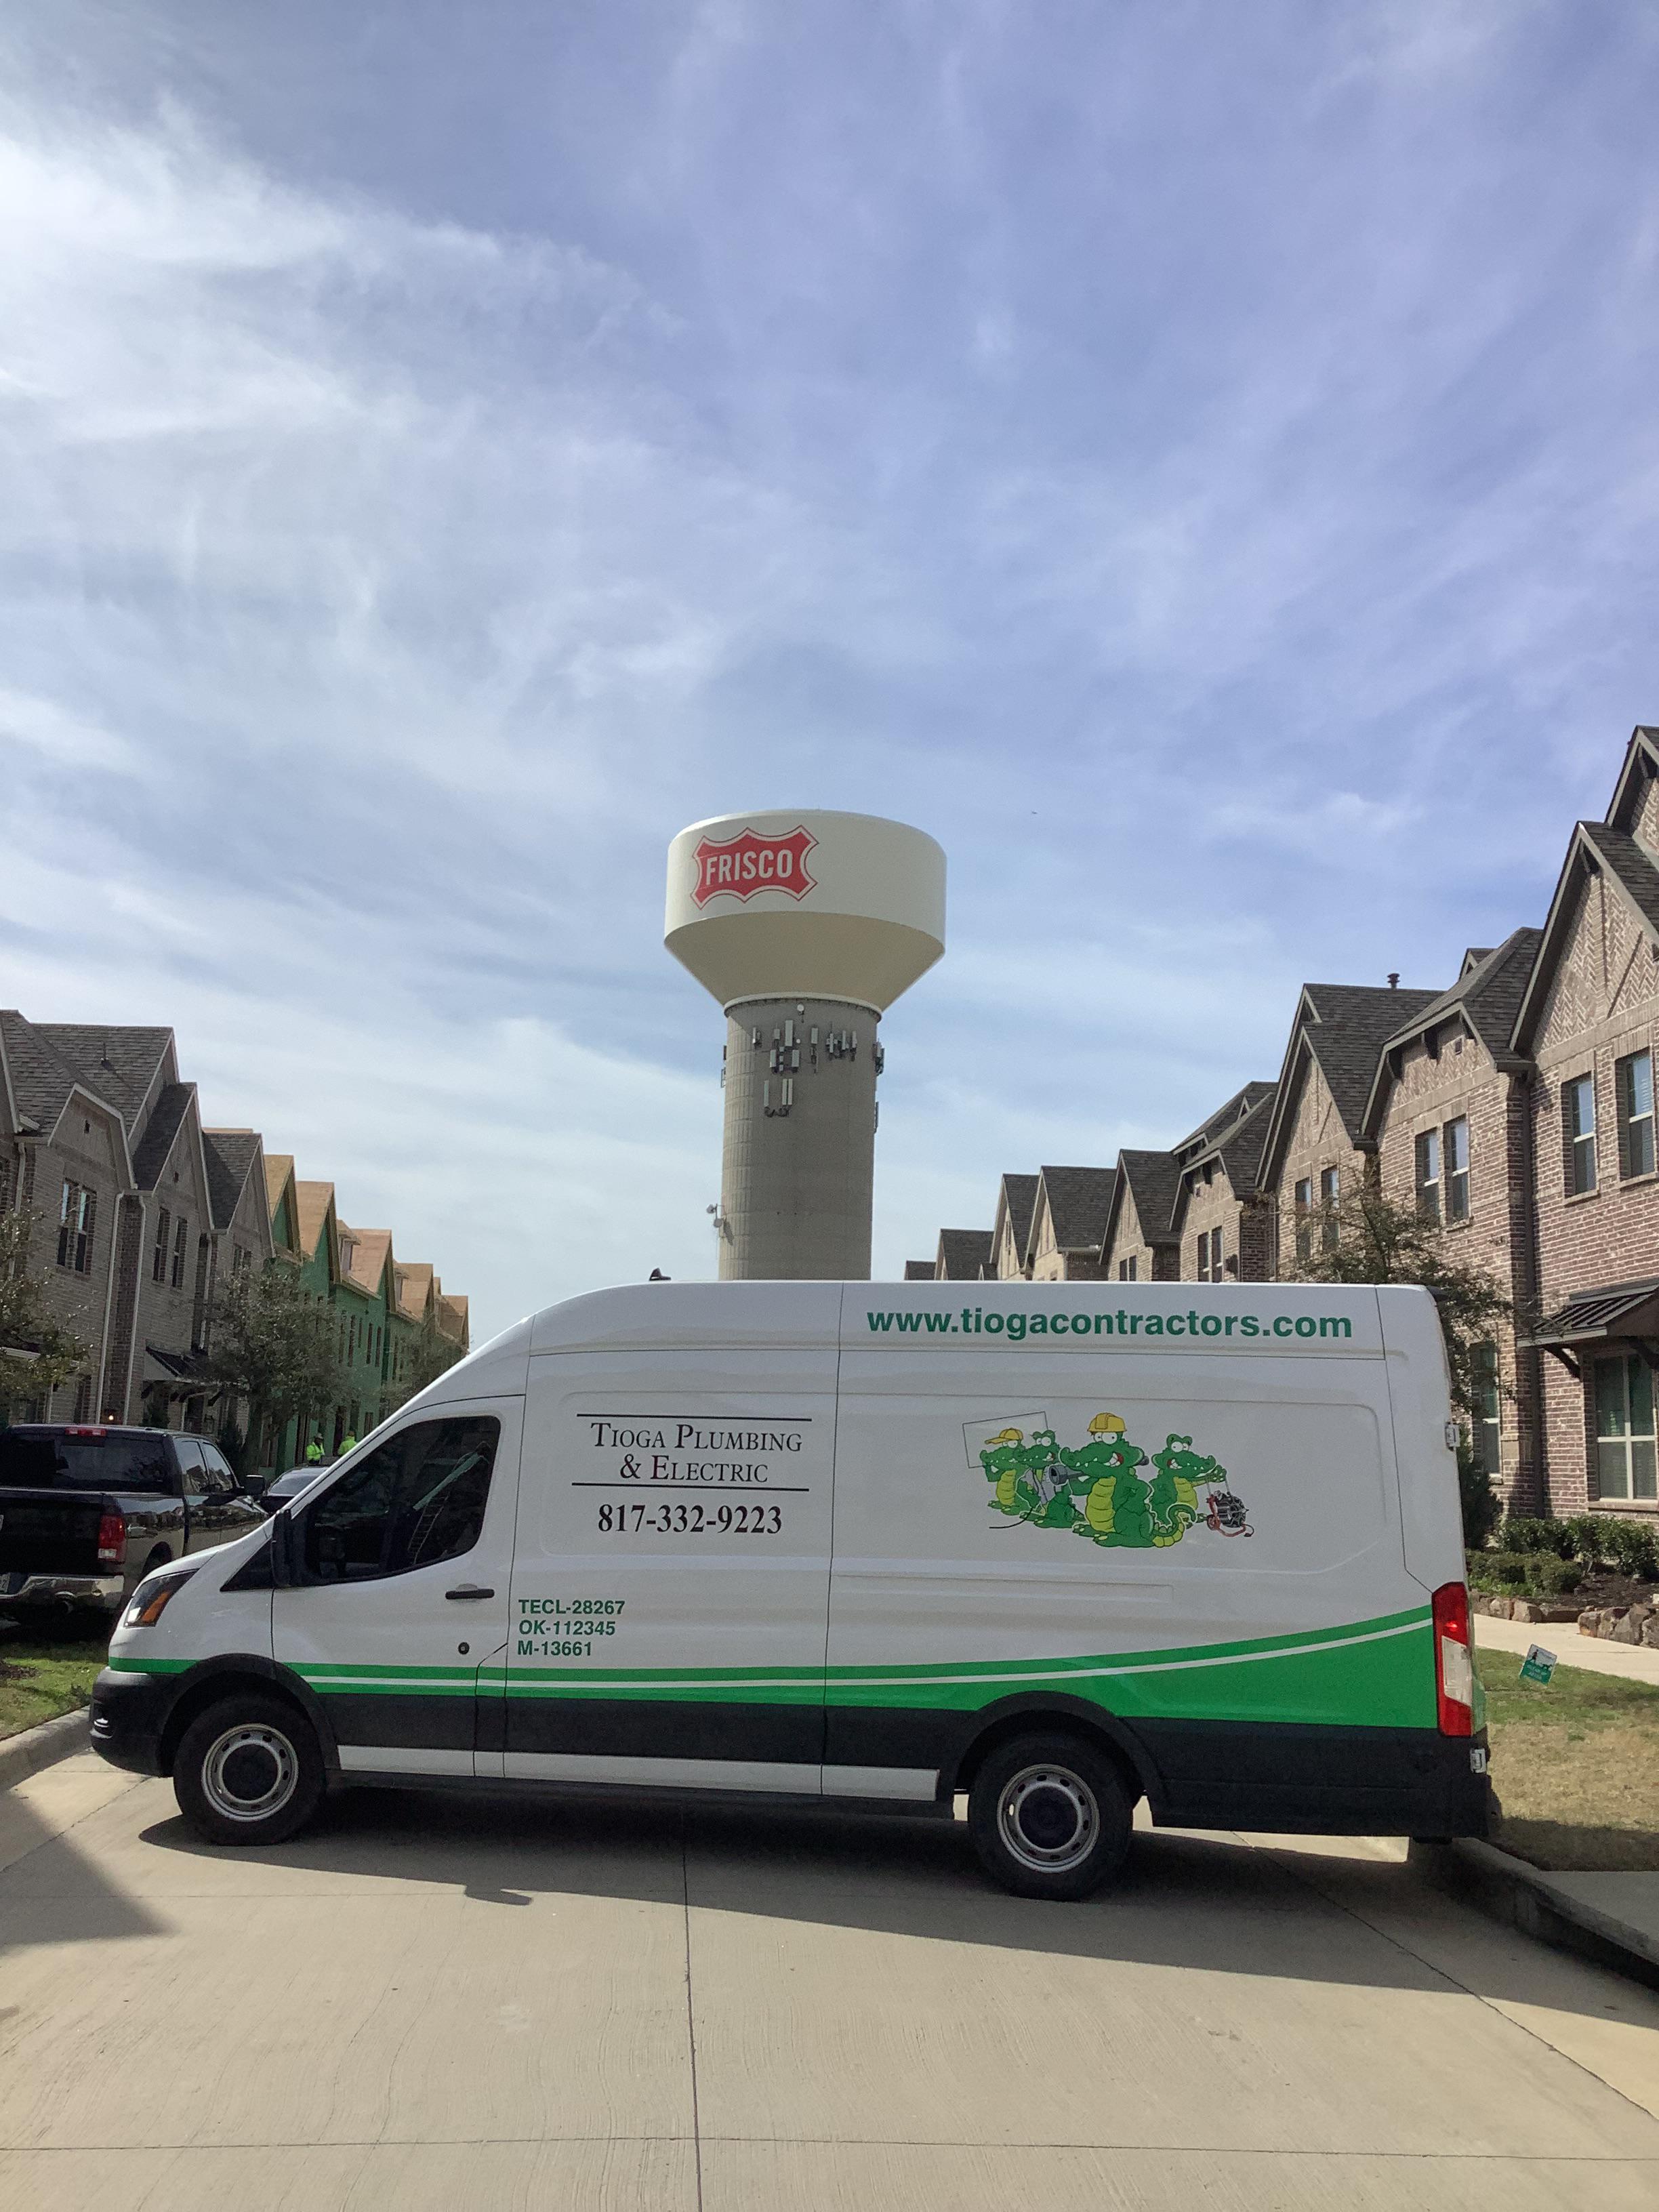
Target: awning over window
(183, 1366)
(1613, 1312)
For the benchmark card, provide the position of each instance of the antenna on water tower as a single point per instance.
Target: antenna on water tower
(806, 927)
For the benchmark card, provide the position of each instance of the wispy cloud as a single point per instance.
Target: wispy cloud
(1199, 465)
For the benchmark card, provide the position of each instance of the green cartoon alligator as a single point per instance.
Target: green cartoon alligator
(1096, 1490)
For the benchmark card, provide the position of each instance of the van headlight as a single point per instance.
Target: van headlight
(154, 1596)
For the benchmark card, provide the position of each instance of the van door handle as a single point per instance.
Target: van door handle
(469, 1590)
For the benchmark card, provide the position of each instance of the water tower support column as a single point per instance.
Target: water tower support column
(797, 1165)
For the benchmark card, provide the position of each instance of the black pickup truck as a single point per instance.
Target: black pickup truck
(86, 1513)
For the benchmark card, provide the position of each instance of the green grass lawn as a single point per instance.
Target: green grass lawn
(41, 1679)
(1575, 1765)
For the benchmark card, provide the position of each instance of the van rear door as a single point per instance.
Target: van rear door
(671, 1575)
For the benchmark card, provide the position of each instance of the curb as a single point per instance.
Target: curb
(26, 1753)
(1525, 1897)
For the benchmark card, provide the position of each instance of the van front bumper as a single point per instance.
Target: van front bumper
(129, 1713)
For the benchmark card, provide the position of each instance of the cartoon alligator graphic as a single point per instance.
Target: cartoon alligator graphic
(1097, 1491)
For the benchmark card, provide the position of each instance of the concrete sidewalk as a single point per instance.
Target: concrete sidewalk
(1635, 1663)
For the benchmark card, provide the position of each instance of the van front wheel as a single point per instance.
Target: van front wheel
(1049, 1817)
(247, 1771)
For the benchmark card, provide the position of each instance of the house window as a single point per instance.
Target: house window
(1625, 1464)
(1209, 1256)
(180, 1246)
(1456, 1138)
(1635, 1088)
(1128, 1271)
(76, 1214)
(1428, 1175)
(158, 1263)
(83, 1400)
(1304, 1221)
(1485, 1427)
(1330, 1194)
(1578, 1134)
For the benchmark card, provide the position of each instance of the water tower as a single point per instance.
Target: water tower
(806, 927)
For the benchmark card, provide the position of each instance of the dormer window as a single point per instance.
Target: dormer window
(347, 1249)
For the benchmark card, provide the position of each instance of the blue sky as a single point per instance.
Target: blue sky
(1200, 463)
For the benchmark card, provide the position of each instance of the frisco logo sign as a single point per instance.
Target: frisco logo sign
(748, 863)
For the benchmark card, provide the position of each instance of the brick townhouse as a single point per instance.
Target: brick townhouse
(1587, 1025)
(1448, 1125)
(137, 1209)
(1220, 1218)
(1516, 1107)
(1138, 1245)
(139, 1217)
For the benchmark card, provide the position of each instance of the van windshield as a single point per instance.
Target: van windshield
(47, 1459)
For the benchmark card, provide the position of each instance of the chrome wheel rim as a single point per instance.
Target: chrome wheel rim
(1048, 1818)
(250, 1773)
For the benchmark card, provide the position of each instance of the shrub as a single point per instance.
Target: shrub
(1531, 1574)
(1520, 1534)
(1549, 1576)
(1498, 1570)
(1479, 1501)
(1631, 1548)
(1610, 1541)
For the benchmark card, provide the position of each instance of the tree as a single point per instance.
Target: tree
(1370, 1238)
(429, 1356)
(278, 1347)
(36, 1351)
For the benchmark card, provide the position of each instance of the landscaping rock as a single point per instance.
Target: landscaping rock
(1589, 1623)
(1651, 1633)
(1629, 1625)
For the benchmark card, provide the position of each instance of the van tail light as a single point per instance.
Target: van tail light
(1454, 1660)
(112, 1538)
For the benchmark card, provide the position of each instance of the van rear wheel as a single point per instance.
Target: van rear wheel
(248, 1771)
(1049, 1817)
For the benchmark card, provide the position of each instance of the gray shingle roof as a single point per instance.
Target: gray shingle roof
(1351, 1023)
(1628, 861)
(1079, 1199)
(1228, 1113)
(1019, 1201)
(1152, 1180)
(1240, 1146)
(1488, 991)
(41, 1078)
(118, 1063)
(919, 1271)
(963, 1253)
(230, 1153)
(159, 1131)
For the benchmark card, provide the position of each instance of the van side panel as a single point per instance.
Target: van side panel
(1202, 1548)
(670, 1572)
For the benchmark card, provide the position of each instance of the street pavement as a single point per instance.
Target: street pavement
(433, 2003)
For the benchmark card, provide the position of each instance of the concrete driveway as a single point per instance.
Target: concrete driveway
(431, 2003)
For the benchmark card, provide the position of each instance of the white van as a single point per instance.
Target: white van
(869, 1545)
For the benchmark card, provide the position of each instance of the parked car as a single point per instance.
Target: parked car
(87, 1512)
(287, 1487)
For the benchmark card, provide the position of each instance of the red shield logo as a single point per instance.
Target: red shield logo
(748, 863)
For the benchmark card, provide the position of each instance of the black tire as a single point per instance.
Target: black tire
(248, 1771)
(1049, 1816)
